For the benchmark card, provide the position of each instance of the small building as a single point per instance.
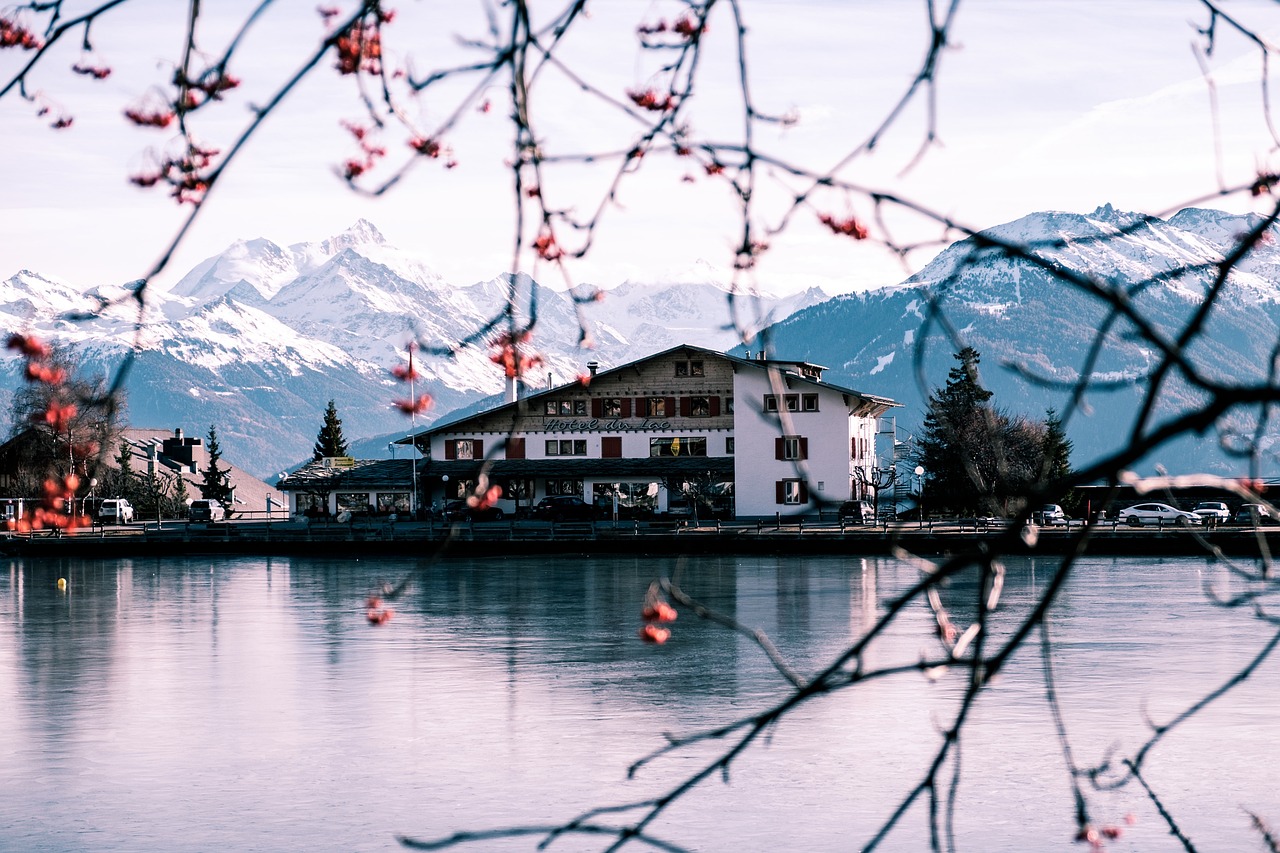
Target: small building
(688, 429)
(334, 486)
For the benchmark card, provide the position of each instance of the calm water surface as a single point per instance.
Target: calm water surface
(247, 704)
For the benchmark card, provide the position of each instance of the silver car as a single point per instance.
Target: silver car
(1216, 510)
(1140, 514)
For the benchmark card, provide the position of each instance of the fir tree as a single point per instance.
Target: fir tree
(1057, 448)
(178, 503)
(956, 448)
(216, 482)
(330, 441)
(125, 480)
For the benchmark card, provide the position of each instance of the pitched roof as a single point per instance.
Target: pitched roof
(873, 400)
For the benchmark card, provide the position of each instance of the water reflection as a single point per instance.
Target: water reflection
(235, 704)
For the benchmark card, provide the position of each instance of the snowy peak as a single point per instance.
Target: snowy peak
(362, 233)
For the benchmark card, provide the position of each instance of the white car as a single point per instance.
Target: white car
(1215, 510)
(1051, 515)
(1135, 516)
(115, 511)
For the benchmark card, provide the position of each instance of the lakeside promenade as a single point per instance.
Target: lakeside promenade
(374, 537)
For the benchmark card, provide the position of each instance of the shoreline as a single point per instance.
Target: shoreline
(498, 539)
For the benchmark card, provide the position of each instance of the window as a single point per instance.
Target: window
(563, 408)
(791, 447)
(728, 446)
(566, 447)
(656, 407)
(463, 448)
(356, 503)
(809, 402)
(678, 446)
(793, 402)
(564, 487)
(771, 402)
(728, 405)
(520, 490)
(696, 369)
(791, 492)
(682, 368)
(699, 407)
(612, 407)
(389, 502)
(460, 488)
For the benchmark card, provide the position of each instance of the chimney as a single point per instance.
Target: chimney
(512, 391)
(593, 366)
(177, 433)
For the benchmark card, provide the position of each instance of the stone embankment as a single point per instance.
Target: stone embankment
(377, 537)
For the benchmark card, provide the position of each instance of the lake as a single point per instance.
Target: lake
(249, 704)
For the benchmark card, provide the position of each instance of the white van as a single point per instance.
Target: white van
(115, 511)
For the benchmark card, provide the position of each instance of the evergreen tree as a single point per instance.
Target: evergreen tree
(126, 482)
(330, 441)
(1057, 448)
(956, 449)
(178, 503)
(216, 482)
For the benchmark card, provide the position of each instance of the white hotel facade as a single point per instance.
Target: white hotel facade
(756, 437)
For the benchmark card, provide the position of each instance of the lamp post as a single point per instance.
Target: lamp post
(920, 492)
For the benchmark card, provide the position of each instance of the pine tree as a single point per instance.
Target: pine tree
(957, 447)
(178, 503)
(330, 441)
(125, 480)
(216, 483)
(1057, 448)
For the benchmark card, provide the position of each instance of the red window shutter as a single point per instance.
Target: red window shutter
(715, 407)
(686, 407)
(853, 448)
(781, 489)
(642, 408)
(779, 447)
(597, 408)
(626, 407)
(611, 447)
(804, 492)
(477, 448)
(451, 449)
(515, 448)
(804, 447)
(670, 407)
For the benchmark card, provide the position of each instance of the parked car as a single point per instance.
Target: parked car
(1255, 515)
(1140, 514)
(459, 511)
(1213, 510)
(564, 508)
(857, 512)
(115, 511)
(1050, 515)
(206, 510)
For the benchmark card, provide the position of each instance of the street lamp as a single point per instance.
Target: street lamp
(920, 491)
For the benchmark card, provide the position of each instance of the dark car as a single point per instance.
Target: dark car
(564, 508)
(459, 511)
(857, 512)
(1255, 514)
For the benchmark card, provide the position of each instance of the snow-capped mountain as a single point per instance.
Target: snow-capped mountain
(1027, 322)
(258, 338)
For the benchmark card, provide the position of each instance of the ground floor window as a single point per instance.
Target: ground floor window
(564, 487)
(635, 500)
(792, 492)
(457, 489)
(389, 502)
(517, 490)
(353, 502)
(308, 503)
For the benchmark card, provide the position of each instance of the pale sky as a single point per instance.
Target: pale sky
(1054, 104)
